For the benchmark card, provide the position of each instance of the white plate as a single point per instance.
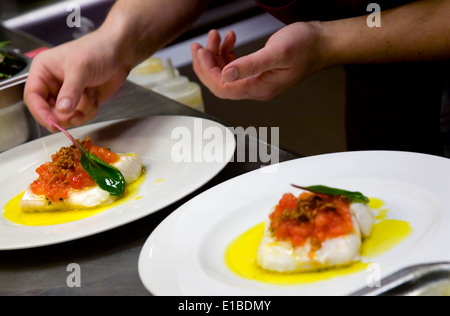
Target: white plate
(153, 138)
(185, 254)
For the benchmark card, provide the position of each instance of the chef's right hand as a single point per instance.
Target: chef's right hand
(69, 82)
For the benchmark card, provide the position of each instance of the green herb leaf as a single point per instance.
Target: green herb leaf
(105, 176)
(321, 189)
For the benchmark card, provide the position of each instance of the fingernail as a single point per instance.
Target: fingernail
(65, 105)
(231, 74)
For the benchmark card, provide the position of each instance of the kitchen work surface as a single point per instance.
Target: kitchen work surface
(108, 259)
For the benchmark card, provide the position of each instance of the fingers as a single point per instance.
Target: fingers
(227, 47)
(59, 94)
(40, 109)
(255, 87)
(92, 96)
(221, 55)
(206, 68)
(251, 65)
(38, 95)
(228, 43)
(213, 44)
(208, 62)
(86, 109)
(290, 55)
(72, 90)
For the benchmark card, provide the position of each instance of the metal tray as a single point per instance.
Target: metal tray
(20, 77)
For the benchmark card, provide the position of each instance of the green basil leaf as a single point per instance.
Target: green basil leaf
(357, 197)
(106, 176)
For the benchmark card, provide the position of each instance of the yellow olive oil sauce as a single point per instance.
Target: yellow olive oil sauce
(241, 254)
(13, 213)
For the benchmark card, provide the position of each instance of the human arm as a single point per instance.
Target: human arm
(69, 82)
(414, 32)
(418, 31)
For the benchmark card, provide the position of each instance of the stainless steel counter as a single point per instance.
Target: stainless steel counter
(108, 260)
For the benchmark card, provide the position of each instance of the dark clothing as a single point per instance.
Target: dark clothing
(396, 106)
(290, 11)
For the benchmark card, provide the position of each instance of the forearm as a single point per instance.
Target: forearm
(415, 32)
(138, 28)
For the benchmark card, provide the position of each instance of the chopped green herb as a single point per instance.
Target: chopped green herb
(2, 59)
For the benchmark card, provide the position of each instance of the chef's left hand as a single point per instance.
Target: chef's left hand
(291, 55)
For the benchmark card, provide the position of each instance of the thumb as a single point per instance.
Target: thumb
(71, 91)
(249, 66)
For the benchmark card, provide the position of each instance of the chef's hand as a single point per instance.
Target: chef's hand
(67, 83)
(290, 55)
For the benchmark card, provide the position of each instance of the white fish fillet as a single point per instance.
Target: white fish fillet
(129, 164)
(281, 256)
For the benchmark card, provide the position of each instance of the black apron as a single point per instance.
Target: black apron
(395, 106)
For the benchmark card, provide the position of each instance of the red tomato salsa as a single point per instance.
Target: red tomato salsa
(65, 173)
(313, 217)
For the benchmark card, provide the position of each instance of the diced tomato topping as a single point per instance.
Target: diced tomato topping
(289, 201)
(311, 217)
(65, 172)
(104, 154)
(79, 179)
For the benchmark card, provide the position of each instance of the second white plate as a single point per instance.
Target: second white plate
(185, 254)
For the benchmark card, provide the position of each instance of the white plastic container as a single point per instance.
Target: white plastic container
(149, 73)
(180, 89)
